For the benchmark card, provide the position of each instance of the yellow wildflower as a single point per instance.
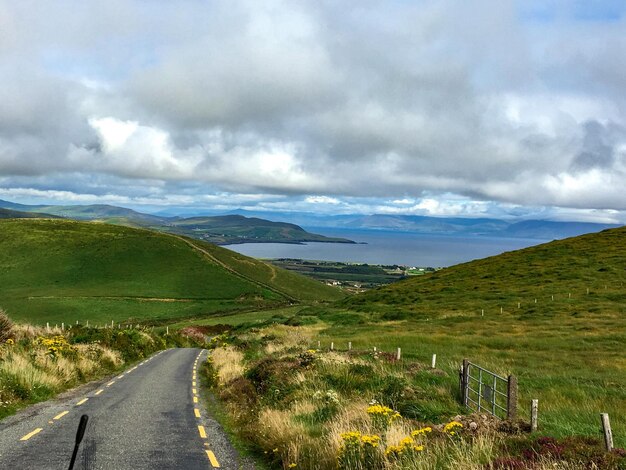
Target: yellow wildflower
(422, 431)
(452, 427)
(371, 440)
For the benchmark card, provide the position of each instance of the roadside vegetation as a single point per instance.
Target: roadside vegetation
(37, 363)
(302, 407)
(297, 402)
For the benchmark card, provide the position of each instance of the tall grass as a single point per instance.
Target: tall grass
(36, 363)
(311, 409)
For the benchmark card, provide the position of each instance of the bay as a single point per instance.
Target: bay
(389, 247)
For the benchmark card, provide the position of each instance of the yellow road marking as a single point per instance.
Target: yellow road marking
(202, 432)
(212, 459)
(31, 434)
(99, 392)
(193, 384)
(194, 391)
(110, 383)
(196, 411)
(60, 415)
(195, 399)
(82, 401)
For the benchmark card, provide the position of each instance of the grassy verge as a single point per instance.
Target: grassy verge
(37, 364)
(299, 407)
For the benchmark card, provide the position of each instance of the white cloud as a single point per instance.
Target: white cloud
(323, 102)
(322, 200)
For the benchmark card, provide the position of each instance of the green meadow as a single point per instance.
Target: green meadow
(553, 315)
(62, 271)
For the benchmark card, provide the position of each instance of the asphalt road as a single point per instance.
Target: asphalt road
(150, 417)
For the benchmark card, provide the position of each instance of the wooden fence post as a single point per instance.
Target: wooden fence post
(511, 393)
(433, 363)
(606, 429)
(465, 381)
(534, 405)
(399, 355)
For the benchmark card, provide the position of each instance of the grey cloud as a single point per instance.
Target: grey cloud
(597, 150)
(374, 98)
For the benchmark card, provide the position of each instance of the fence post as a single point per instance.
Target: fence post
(399, 355)
(433, 363)
(465, 381)
(511, 393)
(534, 405)
(332, 346)
(349, 345)
(606, 428)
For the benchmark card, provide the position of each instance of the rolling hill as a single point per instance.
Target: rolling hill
(220, 230)
(558, 269)
(553, 314)
(11, 214)
(64, 271)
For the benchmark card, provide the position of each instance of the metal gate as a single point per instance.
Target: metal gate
(485, 391)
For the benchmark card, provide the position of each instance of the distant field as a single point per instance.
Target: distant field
(569, 352)
(63, 271)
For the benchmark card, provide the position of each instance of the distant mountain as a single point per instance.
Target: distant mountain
(221, 230)
(535, 229)
(244, 226)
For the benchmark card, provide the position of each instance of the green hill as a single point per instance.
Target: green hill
(64, 271)
(221, 230)
(239, 229)
(11, 214)
(564, 269)
(554, 315)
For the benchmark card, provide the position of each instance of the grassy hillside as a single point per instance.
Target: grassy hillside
(220, 230)
(63, 271)
(11, 214)
(567, 348)
(239, 229)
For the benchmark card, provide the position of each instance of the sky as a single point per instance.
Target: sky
(467, 108)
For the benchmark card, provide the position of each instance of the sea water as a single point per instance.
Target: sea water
(389, 247)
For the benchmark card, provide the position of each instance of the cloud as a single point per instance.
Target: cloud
(417, 103)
